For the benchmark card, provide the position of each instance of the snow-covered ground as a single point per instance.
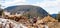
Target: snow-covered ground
(5, 23)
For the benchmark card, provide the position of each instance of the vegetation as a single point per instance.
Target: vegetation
(28, 10)
(58, 16)
(1, 11)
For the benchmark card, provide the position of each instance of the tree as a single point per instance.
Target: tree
(58, 16)
(1, 11)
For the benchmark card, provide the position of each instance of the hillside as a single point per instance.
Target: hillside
(21, 21)
(27, 9)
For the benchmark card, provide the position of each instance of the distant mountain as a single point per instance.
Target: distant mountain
(54, 15)
(32, 10)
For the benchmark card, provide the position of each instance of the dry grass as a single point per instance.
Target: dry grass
(53, 25)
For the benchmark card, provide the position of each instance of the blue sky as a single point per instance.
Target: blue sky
(51, 6)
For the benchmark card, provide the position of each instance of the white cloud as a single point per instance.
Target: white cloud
(15, 2)
(50, 6)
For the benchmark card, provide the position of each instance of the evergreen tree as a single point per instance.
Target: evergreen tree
(58, 16)
(1, 11)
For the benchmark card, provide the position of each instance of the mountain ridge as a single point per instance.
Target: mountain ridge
(32, 10)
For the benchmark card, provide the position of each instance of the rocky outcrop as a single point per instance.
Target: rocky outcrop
(6, 23)
(48, 22)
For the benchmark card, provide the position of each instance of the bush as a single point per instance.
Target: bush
(1, 12)
(58, 17)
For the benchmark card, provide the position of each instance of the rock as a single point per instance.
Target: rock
(6, 23)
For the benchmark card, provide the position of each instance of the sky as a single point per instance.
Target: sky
(51, 6)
